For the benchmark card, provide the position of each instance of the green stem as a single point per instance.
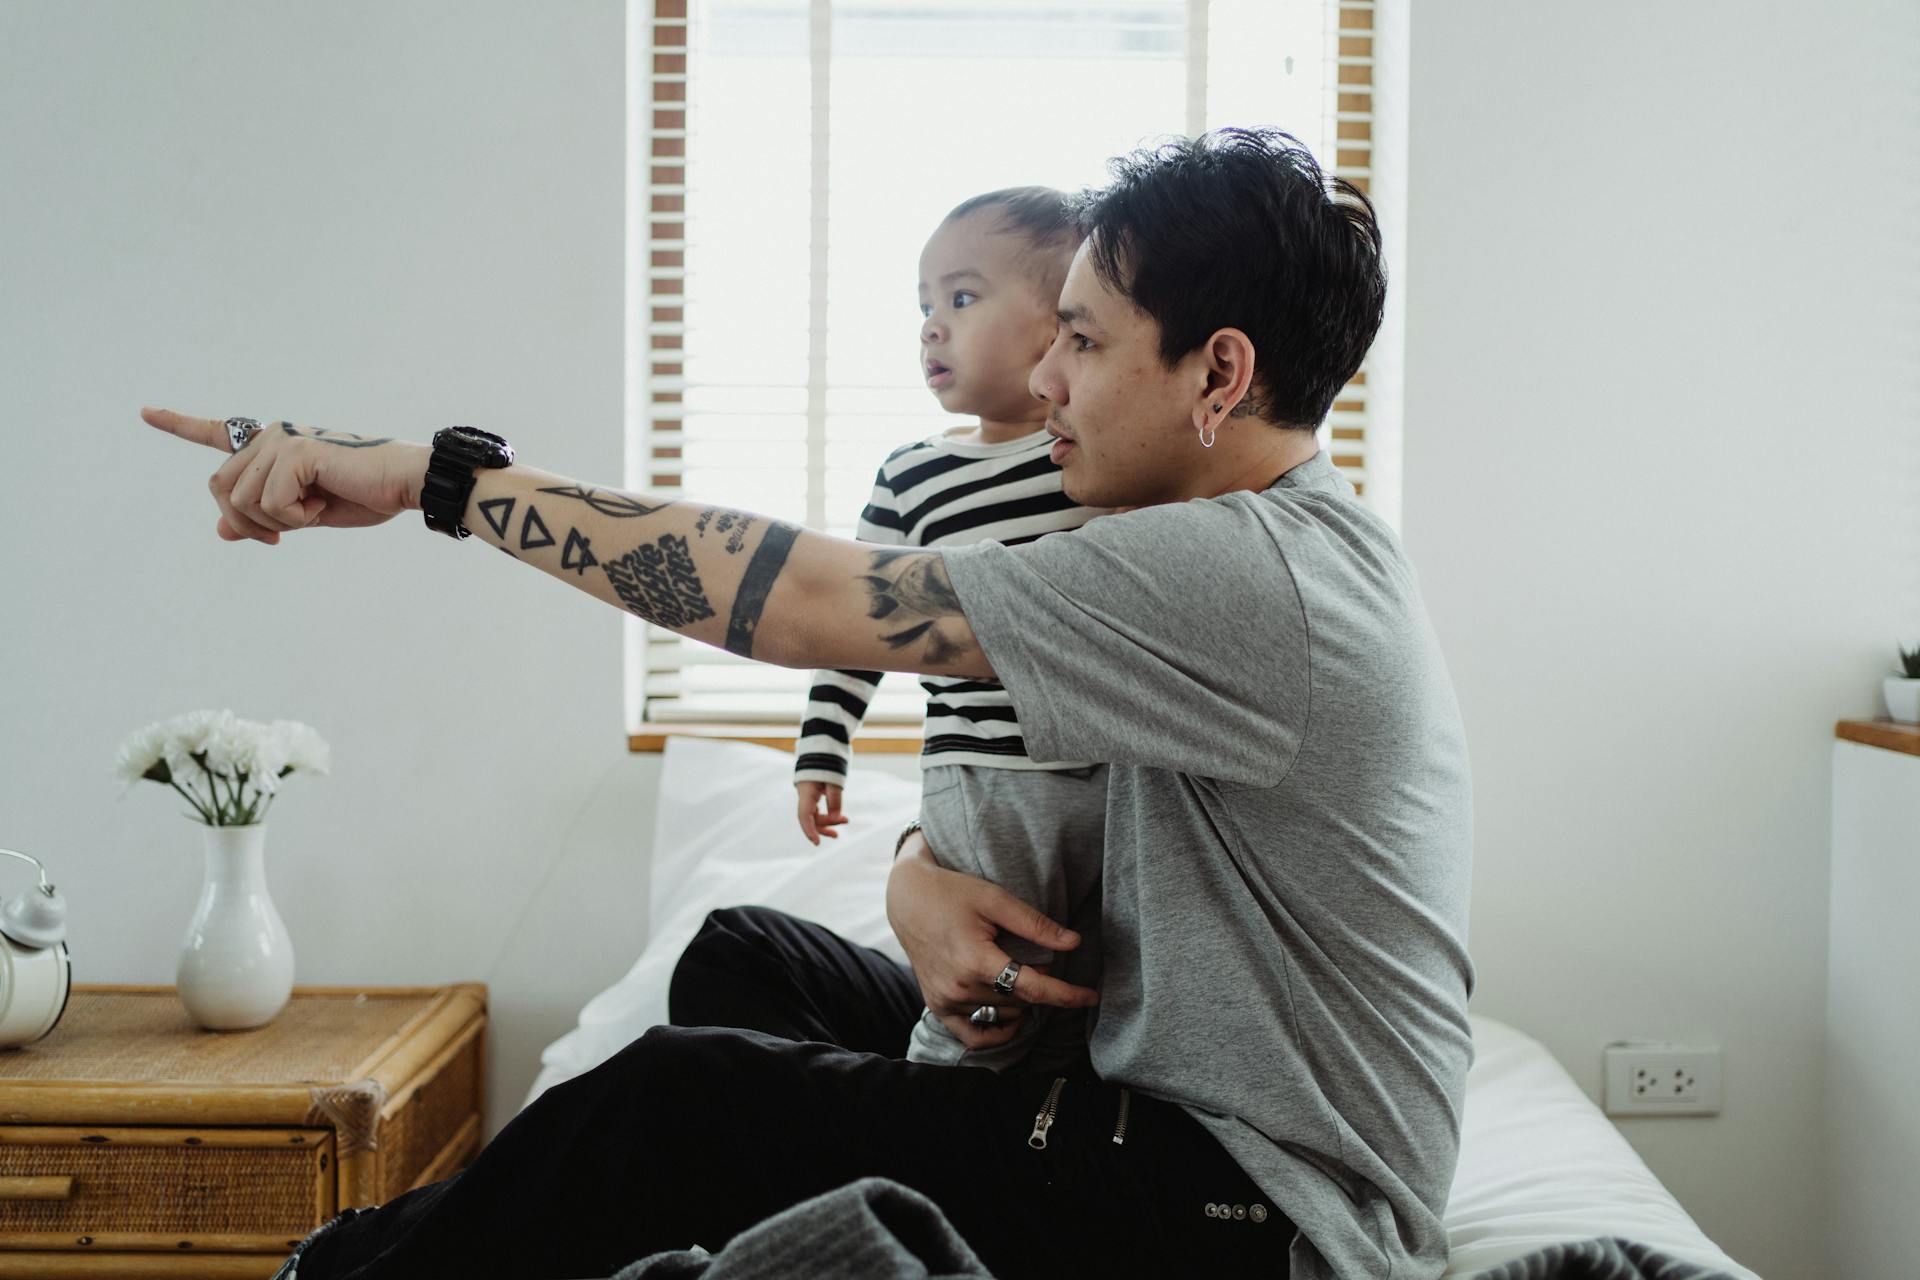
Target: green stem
(256, 808)
(229, 809)
(213, 786)
(193, 800)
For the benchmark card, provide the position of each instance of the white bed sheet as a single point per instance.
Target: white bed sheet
(1539, 1163)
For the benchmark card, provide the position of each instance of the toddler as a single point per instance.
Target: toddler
(990, 280)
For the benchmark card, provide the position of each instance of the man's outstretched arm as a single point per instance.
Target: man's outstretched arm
(758, 587)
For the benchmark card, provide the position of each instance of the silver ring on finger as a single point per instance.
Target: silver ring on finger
(1008, 976)
(240, 431)
(986, 1015)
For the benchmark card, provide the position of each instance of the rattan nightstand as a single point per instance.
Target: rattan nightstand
(134, 1144)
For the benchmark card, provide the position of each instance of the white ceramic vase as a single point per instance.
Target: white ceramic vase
(1903, 699)
(236, 966)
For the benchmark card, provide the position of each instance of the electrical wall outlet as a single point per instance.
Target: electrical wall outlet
(1646, 1078)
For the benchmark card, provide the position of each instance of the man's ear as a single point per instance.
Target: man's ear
(1228, 364)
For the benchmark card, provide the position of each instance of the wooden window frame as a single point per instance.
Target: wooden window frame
(660, 67)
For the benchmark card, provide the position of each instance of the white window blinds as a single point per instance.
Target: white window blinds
(791, 156)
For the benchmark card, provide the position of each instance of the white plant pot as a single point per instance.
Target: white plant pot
(236, 966)
(1903, 699)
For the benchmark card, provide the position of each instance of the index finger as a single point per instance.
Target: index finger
(204, 431)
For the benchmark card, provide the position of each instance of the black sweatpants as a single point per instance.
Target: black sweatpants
(786, 1083)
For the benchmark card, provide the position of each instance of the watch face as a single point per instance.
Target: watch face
(483, 447)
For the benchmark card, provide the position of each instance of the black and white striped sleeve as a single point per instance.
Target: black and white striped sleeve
(838, 700)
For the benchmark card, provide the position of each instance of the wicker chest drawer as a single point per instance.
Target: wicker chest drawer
(220, 1190)
(133, 1144)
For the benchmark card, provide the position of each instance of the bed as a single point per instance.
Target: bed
(1540, 1165)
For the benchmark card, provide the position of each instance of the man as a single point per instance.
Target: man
(1281, 1043)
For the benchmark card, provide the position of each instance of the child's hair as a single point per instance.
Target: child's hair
(1041, 216)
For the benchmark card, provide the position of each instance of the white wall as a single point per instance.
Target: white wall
(1661, 460)
(1662, 484)
(380, 218)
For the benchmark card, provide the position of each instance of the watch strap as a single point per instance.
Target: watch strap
(457, 453)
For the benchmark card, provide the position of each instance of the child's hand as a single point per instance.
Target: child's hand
(813, 822)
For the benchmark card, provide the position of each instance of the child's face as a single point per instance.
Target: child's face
(986, 321)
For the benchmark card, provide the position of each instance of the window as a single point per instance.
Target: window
(790, 157)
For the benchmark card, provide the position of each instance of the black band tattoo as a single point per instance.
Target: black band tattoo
(658, 582)
(606, 503)
(756, 584)
(919, 587)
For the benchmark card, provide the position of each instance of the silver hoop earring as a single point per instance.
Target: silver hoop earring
(1207, 436)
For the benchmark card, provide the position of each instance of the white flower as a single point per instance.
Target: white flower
(139, 752)
(198, 732)
(229, 744)
(306, 750)
(229, 748)
(260, 752)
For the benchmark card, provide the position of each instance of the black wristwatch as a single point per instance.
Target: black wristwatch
(449, 483)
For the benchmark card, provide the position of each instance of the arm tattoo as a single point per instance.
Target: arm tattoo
(577, 555)
(533, 530)
(497, 512)
(345, 439)
(919, 586)
(658, 582)
(735, 525)
(756, 584)
(606, 503)
(732, 523)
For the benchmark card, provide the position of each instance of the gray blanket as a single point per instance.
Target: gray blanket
(876, 1229)
(873, 1229)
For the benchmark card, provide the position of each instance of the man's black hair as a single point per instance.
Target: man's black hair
(1240, 229)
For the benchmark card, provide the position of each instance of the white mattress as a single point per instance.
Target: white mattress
(1540, 1163)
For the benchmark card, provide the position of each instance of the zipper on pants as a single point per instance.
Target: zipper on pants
(1049, 1109)
(1044, 1120)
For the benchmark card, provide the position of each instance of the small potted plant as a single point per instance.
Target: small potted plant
(1903, 691)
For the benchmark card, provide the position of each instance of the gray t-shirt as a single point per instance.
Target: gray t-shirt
(1289, 838)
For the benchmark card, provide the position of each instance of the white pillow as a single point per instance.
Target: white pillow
(724, 835)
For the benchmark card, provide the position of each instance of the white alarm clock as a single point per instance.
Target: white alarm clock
(34, 974)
